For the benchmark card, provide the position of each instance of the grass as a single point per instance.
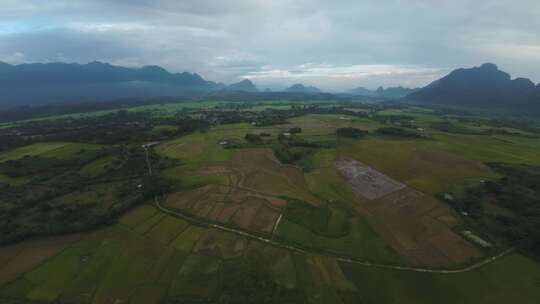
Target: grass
(118, 264)
(140, 263)
(137, 215)
(187, 177)
(50, 278)
(498, 148)
(197, 277)
(14, 181)
(167, 229)
(419, 163)
(322, 220)
(514, 279)
(324, 180)
(199, 148)
(361, 241)
(316, 290)
(60, 150)
(98, 167)
(104, 194)
(31, 150)
(284, 272)
(17, 289)
(185, 241)
(149, 257)
(150, 222)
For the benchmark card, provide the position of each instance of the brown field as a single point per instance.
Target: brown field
(416, 225)
(245, 215)
(20, 258)
(265, 219)
(243, 208)
(261, 171)
(220, 244)
(251, 198)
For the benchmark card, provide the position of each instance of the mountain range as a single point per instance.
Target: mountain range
(391, 92)
(62, 82)
(481, 87)
(243, 86)
(44, 83)
(300, 88)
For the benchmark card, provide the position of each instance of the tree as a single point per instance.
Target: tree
(252, 138)
(351, 132)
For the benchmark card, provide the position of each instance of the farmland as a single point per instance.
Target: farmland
(262, 203)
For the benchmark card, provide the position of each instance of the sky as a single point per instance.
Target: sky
(335, 45)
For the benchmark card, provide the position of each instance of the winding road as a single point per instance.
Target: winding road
(299, 249)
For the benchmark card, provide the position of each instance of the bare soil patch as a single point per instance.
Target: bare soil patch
(366, 181)
(245, 215)
(416, 225)
(265, 219)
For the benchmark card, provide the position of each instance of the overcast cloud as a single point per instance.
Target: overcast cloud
(334, 45)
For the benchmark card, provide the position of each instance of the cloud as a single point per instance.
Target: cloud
(331, 43)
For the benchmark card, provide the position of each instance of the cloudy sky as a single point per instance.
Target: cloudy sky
(334, 45)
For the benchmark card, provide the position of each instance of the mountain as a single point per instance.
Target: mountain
(391, 92)
(300, 88)
(243, 86)
(362, 91)
(480, 87)
(62, 82)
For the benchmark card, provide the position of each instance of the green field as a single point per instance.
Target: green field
(119, 264)
(58, 150)
(143, 255)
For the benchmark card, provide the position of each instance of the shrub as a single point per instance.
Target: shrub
(351, 132)
(252, 138)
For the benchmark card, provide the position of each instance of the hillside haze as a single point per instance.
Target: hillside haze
(390, 92)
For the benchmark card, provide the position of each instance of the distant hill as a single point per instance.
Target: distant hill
(300, 88)
(481, 87)
(62, 82)
(243, 86)
(391, 92)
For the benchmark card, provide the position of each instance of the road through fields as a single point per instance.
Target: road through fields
(299, 249)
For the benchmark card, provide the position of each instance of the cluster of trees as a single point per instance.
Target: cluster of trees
(253, 138)
(397, 132)
(351, 132)
(405, 121)
(449, 127)
(518, 191)
(37, 207)
(296, 150)
(114, 128)
(295, 130)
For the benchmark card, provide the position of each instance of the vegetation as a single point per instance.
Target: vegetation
(396, 132)
(508, 207)
(351, 132)
(74, 173)
(323, 220)
(56, 198)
